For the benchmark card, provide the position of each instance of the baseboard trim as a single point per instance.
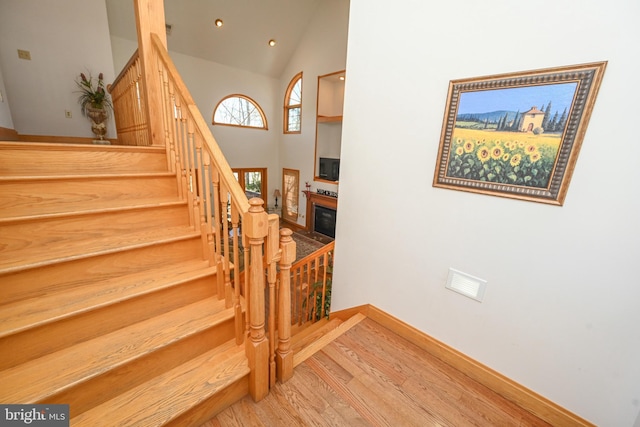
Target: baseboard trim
(292, 225)
(509, 389)
(7, 134)
(350, 312)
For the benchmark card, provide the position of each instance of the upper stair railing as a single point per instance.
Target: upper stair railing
(129, 105)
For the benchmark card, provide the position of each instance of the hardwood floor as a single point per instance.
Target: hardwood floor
(372, 377)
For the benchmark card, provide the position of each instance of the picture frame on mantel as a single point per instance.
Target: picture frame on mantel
(517, 135)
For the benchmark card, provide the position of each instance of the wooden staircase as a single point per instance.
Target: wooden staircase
(108, 302)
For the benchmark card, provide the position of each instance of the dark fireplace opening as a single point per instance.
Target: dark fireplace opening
(324, 221)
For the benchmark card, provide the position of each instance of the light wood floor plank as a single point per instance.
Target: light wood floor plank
(396, 405)
(334, 376)
(243, 414)
(370, 376)
(474, 399)
(344, 413)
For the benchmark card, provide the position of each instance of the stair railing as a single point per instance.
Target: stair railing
(154, 107)
(221, 212)
(238, 237)
(311, 280)
(129, 105)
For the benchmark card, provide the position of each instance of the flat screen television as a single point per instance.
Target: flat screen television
(329, 169)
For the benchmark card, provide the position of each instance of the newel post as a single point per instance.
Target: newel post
(150, 19)
(257, 346)
(284, 355)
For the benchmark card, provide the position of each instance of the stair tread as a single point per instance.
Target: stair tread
(61, 146)
(85, 176)
(37, 379)
(22, 197)
(84, 207)
(167, 396)
(37, 311)
(132, 205)
(78, 158)
(58, 251)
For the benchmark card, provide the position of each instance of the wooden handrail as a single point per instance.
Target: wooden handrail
(224, 169)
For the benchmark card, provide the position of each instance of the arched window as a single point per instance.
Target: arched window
(239, 110)
(293, 105)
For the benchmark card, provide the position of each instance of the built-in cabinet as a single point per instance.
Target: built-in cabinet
(329, 126)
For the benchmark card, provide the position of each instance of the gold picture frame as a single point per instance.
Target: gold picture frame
(517, 135)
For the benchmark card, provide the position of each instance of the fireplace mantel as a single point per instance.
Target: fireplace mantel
(320, 200)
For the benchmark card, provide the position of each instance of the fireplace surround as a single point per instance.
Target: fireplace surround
(321, 213)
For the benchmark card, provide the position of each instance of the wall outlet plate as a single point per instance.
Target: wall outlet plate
(466, 284)
(24, 54)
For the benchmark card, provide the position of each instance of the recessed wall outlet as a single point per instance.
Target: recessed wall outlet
(24, 54)
(67, 114)
(466, 284)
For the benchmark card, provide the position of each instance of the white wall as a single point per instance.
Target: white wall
(560, 313)
(321, 51)
(5, 109)
(65, 38)
(208, 83)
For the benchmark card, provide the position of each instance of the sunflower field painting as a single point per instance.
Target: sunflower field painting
(502, 157)
(516, 135)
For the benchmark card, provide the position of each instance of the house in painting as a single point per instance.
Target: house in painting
(531, 119)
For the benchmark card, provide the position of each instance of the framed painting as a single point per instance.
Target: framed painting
(517, 135)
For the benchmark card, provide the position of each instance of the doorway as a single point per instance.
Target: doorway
(290, 197)
(253, 181)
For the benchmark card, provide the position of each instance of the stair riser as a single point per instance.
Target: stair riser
(213, 406)
(100, 389)
(19, 238)
(54, 278)
(41, 197)
(37, 342)
(50, 159)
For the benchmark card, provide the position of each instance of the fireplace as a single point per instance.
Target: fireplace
(321, 213)
(324, 221)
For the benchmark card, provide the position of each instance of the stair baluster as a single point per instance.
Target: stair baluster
(284, 355)
(272, 256)
(256, 225)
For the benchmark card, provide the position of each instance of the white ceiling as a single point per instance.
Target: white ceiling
(243, 40)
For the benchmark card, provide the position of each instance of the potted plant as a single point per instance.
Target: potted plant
(94, 103)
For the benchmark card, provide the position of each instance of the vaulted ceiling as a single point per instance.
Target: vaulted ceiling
(242, 42)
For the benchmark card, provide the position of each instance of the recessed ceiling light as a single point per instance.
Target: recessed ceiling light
(219, 23)
(341, 78)
(272, 42)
